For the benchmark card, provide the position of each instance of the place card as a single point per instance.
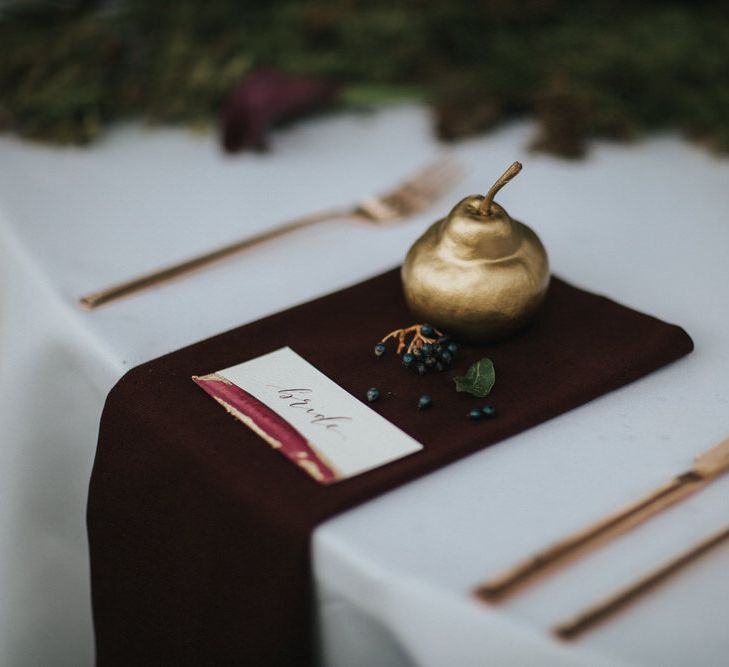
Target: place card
(310, 419)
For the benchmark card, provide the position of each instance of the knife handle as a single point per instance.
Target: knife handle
(587, 539)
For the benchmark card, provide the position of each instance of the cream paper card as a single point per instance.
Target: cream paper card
(310, 419)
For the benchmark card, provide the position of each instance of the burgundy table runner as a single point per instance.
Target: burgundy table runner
(199, 531)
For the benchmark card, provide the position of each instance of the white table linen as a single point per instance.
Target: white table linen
(644, 224)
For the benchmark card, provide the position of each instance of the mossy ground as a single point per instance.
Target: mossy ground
(582, 69)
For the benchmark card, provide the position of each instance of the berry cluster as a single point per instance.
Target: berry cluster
(437, 356)
(428, 349)
(425, 349)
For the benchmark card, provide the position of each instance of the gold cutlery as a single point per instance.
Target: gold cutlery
(409, 198)
(707, 466)
(584, 620)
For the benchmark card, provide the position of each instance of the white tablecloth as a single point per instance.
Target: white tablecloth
(645, 224)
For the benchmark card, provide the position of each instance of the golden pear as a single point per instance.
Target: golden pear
(477, 274)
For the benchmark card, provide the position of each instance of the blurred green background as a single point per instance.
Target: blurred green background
(583, 69)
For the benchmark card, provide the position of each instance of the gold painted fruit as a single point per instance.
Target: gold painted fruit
(477, 274)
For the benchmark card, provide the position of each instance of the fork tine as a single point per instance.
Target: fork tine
(441, 179)
(432, 173)
(408, 199)
(424, 174)
(413, 194)
(425, 187)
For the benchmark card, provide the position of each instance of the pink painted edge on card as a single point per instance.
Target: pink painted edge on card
(263, 421)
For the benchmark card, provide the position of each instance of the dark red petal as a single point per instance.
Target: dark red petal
(266, 97)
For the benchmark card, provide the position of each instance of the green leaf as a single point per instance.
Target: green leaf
(478, 380)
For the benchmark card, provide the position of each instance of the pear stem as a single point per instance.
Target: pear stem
(513, 170)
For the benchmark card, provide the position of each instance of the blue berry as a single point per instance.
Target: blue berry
(446, 357)
(488, 411)
(426, 349)
(421, 368)
(424, 402)
(430, 362)
(407, 359)
(426, 330)
(475, 414)
(444, 340)
(380, 349)
(452, 347)
(439, 366)
(373, 393)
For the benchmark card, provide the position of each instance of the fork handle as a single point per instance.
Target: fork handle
(167, 273)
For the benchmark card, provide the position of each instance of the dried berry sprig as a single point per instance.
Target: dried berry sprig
(423, 334)
(422, 346)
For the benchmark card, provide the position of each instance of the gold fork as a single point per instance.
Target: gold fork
(409, 198)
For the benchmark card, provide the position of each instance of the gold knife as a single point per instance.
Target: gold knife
(707, 467)
(586, 619)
